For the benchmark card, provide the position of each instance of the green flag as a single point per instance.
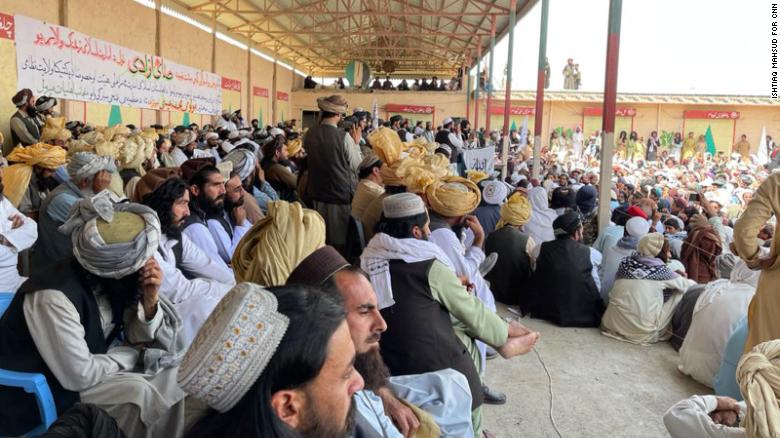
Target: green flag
(513, 127)
(186, 119)
(710, 141)
(260, 119)
(115, 116)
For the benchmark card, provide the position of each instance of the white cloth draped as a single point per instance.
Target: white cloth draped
(542, 217)
(12, 242)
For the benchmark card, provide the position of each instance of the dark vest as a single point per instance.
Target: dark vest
(331, 179)
(18, 352)
(52, 246)
(419, 336)
(31, 126)
(510, 277)
(562, 287)
(443, 137)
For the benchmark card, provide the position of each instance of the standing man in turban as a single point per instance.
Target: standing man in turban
(31, 179)
(89, 174)
(563, 286)
(24, 128)
(332, 179)
(371, 185)
(64, 322)
(489, 211)
(509, 278)
(17, 233)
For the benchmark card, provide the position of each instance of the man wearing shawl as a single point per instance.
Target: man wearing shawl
(371, 185)
(488, 213)
(89, 174)
(252, 178)
(700, 249)
(563, 288)
(419, 296)
(332, 178)
(635, 229)
(192, 281)
(31, 179)
(25, 130)
(64, 325)
(509, 278)
(17, 233)
(539, 227)
(185, 147)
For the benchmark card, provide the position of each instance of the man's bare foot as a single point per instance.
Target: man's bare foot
(518, 345)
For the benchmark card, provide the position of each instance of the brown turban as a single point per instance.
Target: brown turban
(453, 196)
(152, 180)
(277, 243)
(335, 104)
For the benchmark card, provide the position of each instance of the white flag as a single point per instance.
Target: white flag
(763, 154)
(375, 115)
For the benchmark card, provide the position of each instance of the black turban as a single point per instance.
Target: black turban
(567, 224)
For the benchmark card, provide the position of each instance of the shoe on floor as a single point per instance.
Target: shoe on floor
(488, 434)
(493, 397)
(490, 353)
(488, 263)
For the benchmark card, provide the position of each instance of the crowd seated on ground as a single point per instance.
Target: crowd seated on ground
(219, 269)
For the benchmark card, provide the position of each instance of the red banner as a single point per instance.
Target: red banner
(597, 112)
(282, 96)
(259, 91)
(514, 110)
(7, 26)
(705, 114)
(412, 109)
(231, 84)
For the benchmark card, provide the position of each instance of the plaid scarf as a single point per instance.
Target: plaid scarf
(637, 267)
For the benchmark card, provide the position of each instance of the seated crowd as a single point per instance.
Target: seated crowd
(236, 281)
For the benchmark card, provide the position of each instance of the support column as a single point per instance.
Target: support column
(476, 93)
(249, 109)
(658, 120)
(157, 47)
(273, 89)
(63, 21)
(214, 51)
(508, 92)
(468, 93)
(608, 121)
(489, 83)
(540, 79)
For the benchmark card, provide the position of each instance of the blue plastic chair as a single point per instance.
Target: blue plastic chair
(32, 383)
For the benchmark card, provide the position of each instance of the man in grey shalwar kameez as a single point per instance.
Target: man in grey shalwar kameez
(64, 325)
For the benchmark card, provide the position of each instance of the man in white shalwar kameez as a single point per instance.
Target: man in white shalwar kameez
(17, 233)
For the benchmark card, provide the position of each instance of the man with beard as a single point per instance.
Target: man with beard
(225, 121)
(24, 128)
(273, 363)
(252, 177)
(212, 143)
(185, 143)
(31, 178)
(64, 323)
(191, 280)
(438, 400)
(229, 224)
(425, 303)
(89, 174)
(207, 200)
(17, 233)
(276, 165)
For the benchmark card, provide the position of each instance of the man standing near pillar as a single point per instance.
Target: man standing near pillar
(332, 181)
(569, 75)
(24, 129)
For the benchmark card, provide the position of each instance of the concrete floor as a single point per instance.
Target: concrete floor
(602, 387)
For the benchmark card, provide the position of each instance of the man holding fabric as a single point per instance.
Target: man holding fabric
(332, 179)
(17, 233)
(420, 296)
(31, 179)
(64, 324)
(89, 174)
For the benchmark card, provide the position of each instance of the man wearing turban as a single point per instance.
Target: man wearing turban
(563, 286)
(452, 200)
(25, 129)
(89, 174)
(276, 244)
(509, 279)
(17, 233)
(31, 179)
(332, 176)
(64, 322)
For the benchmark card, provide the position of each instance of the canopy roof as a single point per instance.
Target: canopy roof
(398, 37)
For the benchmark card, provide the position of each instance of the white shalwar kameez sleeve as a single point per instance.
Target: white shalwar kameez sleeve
(226, 245)
(690, 418)
(12, 242)
(144, 405)
(200, 235)
(194, 298)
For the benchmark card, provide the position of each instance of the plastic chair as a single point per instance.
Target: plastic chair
(32, 383)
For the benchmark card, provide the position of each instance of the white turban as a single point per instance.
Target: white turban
(85, 165)
(243, 162)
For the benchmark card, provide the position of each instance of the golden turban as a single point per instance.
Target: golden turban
(55, 130)
(134, 151)
(17, 177)
(418, 178)
(758, 375)
(269, 252)
(151, 134)
(294, 146)
(476, 175)
(515, 211)
(453, 196)
(386, 144)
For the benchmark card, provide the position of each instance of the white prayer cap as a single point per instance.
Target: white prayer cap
(402, 205)
(232, 135)
(276, 131)
(211, 135)
(227, 146)
(494, 192)
(637, 227)
(447, 121)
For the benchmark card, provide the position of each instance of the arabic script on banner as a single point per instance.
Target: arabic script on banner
(56, 61)
(480, 159)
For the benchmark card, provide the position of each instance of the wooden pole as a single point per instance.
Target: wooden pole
(540, 79)
(490, 73)
(508, 92)
(608, 121)
(157, 46)
(476, 93)
(63, 21)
